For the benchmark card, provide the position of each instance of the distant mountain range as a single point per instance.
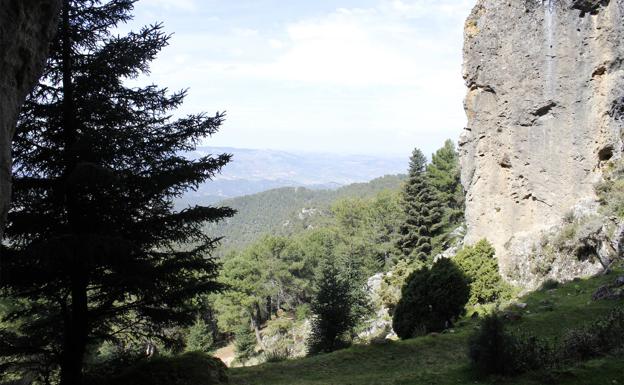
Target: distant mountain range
(253, 171)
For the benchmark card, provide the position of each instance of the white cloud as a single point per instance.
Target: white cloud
(384, 77)
(358, 47)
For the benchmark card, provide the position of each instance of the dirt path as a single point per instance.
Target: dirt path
(226, 354)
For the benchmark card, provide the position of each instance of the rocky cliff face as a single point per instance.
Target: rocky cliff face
(25, 29)
(545, 109)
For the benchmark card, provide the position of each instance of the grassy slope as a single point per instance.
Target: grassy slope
(442, 359)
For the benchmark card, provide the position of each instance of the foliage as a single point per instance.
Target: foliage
(481, 268)
(443, 359)
(488, 347)
(603, 336)
(278, 354)
(443, 175)
(290, 211)
(199, 337)
(188, 368)
(393, 282)
(422, 213)
(494, 351)
(302, 312)
(431, 300)
(274, 273)
(278, 273)
(369, 229)
(611, 191)
(333, 311)
(95, 245)
(244, 343)
(549, 284)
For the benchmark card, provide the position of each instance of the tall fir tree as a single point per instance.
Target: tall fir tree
(97, 251)
(444, 178)
(334, 310)
(422, 213)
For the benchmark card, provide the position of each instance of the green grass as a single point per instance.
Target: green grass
(442, 359)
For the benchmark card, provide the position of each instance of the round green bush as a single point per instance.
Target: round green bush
(431, 299)
(480, 266)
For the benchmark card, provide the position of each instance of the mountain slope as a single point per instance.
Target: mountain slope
(288, 210)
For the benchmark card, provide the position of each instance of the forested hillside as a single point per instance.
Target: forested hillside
(289, 210)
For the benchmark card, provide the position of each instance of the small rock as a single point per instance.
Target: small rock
(520, 305)
(512, 316)
(379, 341)
(619, 281)
(605, 292)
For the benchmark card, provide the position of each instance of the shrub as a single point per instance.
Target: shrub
(188, 368)
(487, 348)
(199, 337)
(481, 268)
(549, 284)
(302, 312)
(611, 191)
(278, 354)
(494, 351)
(598, 338)
(393, 281)
(431, 300)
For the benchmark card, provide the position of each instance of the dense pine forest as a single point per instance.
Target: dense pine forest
(289, 210)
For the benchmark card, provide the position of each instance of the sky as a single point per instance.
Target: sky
(376, 77)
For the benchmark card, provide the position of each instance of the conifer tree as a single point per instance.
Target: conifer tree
(334, 310)
(422, 214)
(444, 178)
(95, 244)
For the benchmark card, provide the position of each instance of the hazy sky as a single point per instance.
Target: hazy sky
(360, 77)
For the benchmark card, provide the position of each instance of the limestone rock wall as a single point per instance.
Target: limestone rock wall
(545, 108)
(26, 27)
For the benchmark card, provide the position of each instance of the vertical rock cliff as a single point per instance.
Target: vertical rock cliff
(545, 108)
(26, 27)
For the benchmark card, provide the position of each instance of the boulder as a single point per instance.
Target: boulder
(606, 292)
(26, 27)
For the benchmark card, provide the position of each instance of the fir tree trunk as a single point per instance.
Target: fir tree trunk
(75, 339)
